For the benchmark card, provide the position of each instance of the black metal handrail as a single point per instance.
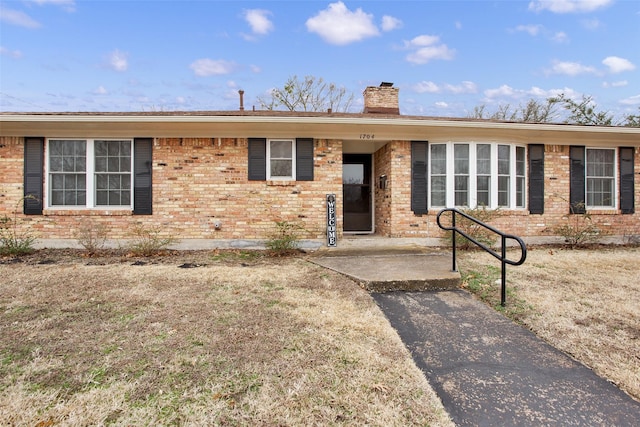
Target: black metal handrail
(502, 256)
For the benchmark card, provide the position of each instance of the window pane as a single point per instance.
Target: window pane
(520, 161)
(520, 192)
(461, 190)
(281, 149)
(281, 168)
(503, 190)
(461, 158)
(503, 159)
(483, 159)
(438, 159)
(438, 191)
(483, 188)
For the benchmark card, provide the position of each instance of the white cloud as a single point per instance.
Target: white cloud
(118, 61)
(340, 26)
(15, 17)
(426, 87)
(632, 100)
(618, 65)
(506, 92)
(426, 48)
(100, 90)
(259, 21)
(389, 23)
(568, 6)
(532, 30)
(464, 87)
(209, 67)
(458, 25)
(442, 104)
(591, 24)
(68, 5)
(570, 68)
(431, 87)
(620, 83)
(10, 53)
(560, 37)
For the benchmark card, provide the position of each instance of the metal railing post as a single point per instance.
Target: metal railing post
(453, 240)
(503, 292)
(502, 257)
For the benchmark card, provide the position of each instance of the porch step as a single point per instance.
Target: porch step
(397, 268)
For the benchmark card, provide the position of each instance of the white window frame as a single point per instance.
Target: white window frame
(472, 182)
(614, 178)
(292, 177)
(90, 175)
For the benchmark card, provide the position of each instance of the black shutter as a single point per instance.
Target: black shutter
(142, 179)
(536, 178)
(626, 181)
(304, 159)
(419, 178)
(257, 159)
(33, 175)
(577, 177)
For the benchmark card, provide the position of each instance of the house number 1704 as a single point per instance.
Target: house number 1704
(367, 136)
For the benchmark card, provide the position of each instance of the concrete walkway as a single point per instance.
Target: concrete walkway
(487, 370)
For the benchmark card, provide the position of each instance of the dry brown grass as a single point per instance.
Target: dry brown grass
(242, 340)
(584, 302)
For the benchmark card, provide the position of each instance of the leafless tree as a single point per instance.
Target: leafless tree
(310, 94)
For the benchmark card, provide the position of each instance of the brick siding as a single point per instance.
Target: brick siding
(200, 181)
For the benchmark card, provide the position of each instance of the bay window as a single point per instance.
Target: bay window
(473, 175)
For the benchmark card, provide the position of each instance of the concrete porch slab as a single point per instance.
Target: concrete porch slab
(392, 269)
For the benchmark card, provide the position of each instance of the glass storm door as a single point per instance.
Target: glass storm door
(356, 192)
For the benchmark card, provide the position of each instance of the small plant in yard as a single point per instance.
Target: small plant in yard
(91, 236)
(474, 230)
(579, 229)
(148, 241)
(13, 240)
(285, 238)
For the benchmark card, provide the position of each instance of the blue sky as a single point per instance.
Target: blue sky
(445, 56)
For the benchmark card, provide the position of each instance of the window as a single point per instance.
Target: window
(281, 158)
(600, 178)
(477, 174)
(90, 173)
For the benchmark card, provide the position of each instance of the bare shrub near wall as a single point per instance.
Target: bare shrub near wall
(147, 241)
(13, 241)
(474, 230)
(579, 229)
(91, 236)
(285, 238)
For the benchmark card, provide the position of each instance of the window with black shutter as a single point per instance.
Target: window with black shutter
(33, 175)
(280, 159)
(536, 178)
(626, 180)
(419, 177)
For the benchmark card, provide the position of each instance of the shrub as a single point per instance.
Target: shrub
(579, 229)
(91, 236)
(477, 232)
(285, 238)
(148, 241)
(13, 241)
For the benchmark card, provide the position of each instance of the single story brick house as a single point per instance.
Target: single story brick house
(219, 177)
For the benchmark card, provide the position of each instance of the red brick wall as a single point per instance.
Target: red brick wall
(199, 181)
(196, 182)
